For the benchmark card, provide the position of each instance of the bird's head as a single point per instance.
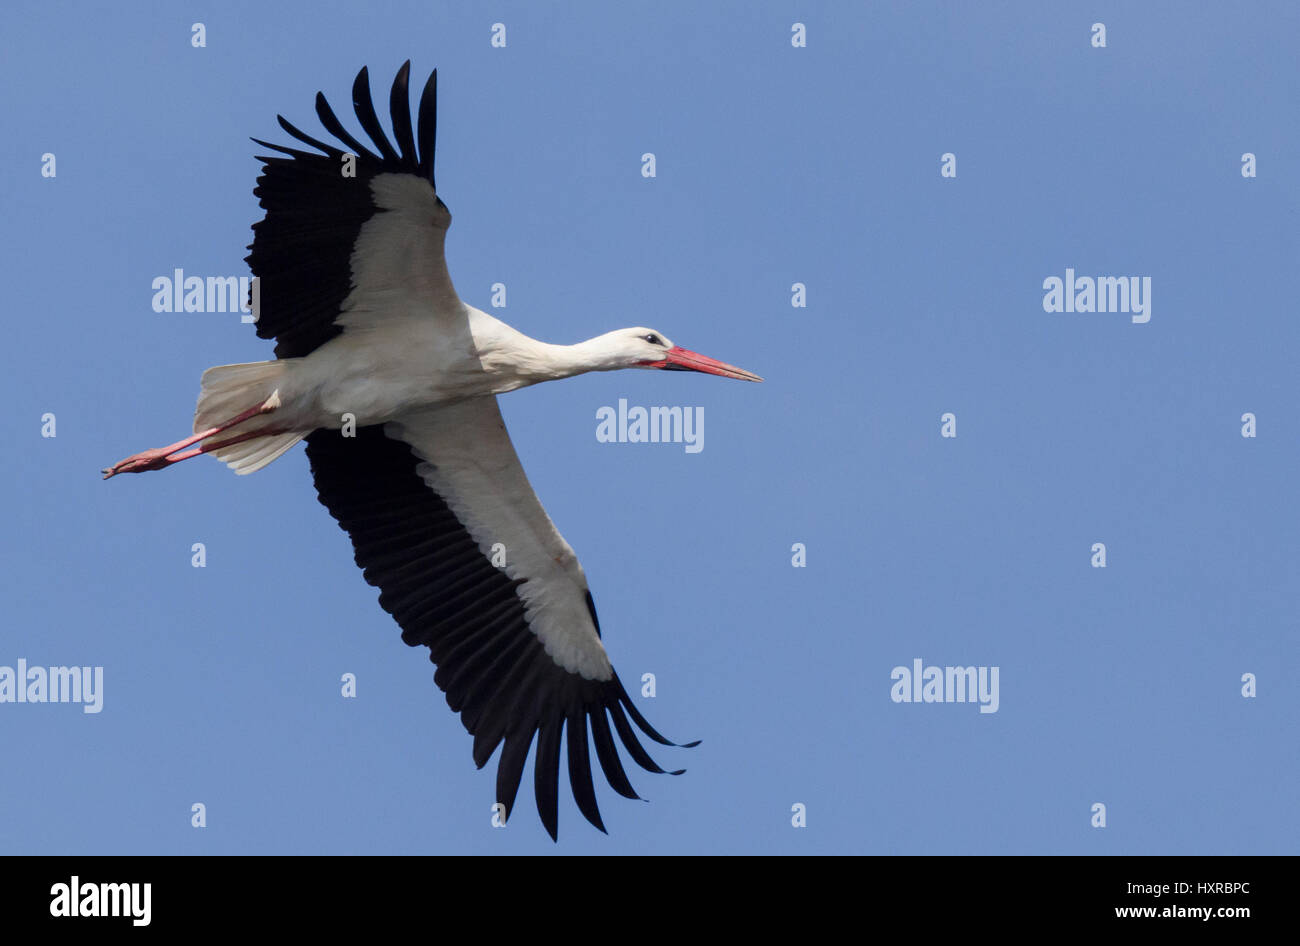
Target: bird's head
(646, 348)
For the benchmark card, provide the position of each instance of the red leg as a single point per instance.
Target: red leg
(218, 444)
(160, 458)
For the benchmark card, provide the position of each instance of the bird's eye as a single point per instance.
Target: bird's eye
(653, 339)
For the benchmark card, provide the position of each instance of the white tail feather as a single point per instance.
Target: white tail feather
(228, 390)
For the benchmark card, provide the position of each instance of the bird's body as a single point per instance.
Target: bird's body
(392, 381)
(418, 363)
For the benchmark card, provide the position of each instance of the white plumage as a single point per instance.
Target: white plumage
(373, 341)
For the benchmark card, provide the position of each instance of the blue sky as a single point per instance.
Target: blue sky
(775, 165)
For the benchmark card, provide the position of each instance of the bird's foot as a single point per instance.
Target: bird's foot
(142, 462)
(160, 458)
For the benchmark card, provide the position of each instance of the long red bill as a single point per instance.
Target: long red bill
(680, 359)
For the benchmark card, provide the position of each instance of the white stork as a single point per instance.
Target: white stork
(354, 289)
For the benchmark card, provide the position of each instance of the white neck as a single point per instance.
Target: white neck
(551, 362)
(515, 360)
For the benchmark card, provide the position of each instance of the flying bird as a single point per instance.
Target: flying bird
(392, 381)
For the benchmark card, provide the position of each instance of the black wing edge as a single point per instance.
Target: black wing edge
(446, 595)
(302, 248)
(405, 158)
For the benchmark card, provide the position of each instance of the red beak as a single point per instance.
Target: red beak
(679, 359)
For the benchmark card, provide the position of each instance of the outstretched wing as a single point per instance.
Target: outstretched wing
(429, 501)
(351, 235)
